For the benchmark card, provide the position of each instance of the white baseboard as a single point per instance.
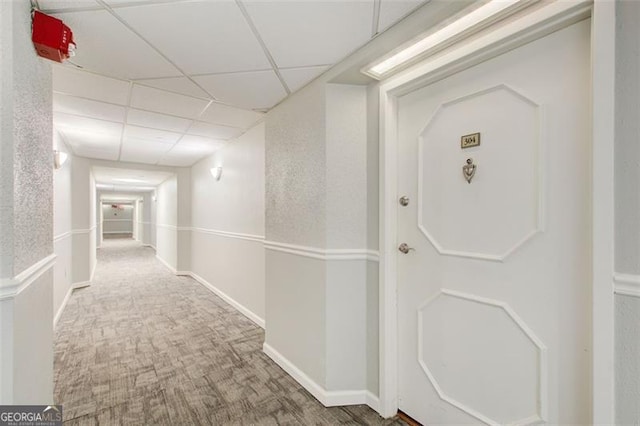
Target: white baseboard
(241, 308)
(373, 402)
(231, 301)
(165, 263)
(61, 308)
(150, 245)
(81, 284)
(326, 398)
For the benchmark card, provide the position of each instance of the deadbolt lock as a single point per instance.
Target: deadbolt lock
(404, 201)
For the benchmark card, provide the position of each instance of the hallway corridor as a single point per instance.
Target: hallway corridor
(142, 346)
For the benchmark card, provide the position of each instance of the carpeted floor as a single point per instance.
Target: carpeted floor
(144, 347)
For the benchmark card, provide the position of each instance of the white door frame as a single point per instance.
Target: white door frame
(538, 23)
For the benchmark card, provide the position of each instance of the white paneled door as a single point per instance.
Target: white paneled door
(494, 291)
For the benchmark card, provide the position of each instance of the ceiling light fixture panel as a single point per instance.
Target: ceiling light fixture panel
(465, 25)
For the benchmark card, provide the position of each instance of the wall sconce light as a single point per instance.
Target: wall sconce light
(216, 172)
(59, 158)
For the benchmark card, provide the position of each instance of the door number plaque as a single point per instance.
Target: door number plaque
(469, 141)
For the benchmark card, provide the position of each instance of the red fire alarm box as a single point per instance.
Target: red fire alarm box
(52, 38)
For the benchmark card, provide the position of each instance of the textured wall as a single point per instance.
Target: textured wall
(26, 210)
(6, 142)
(627, 156)
(346, 167)
(235, 203)
(26, 145)
(295, 160)
(627, 211)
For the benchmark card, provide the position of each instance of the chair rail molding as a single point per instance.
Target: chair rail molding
(237, 235)
(627, 284)
(11, 287)
(323, 254)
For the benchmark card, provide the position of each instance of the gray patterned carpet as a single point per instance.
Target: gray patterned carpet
(144, 347)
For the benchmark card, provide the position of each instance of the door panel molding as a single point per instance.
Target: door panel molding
(541, 365)
(538, 189)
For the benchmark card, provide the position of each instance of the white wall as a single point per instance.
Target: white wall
(117, 220)
(183, 176)
(83, 221)
(228, 221)
(627, 198)
(93, 238)
(26, 214)
(167, 222)
(62, 227)
(149, 219)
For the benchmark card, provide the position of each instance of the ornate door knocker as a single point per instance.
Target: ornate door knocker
(469, 170)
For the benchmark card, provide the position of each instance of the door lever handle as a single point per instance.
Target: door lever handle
(404, 248)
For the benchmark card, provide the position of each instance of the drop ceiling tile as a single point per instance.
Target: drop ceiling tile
(391, 11)
(69, 122)
(251, 90)
(226, 115)
(179, 160)
(106, 46)
(214, 131)
(152, 135)
(46, 5)
(97, 153)
(157, 100)
(176, 84)
(143, 151)
(214, 36)
(115, 176)
(125, 3)
(87, 108)
(71, 81)
(186, 154)
(298, 77)
(83, 141)
(139, 157)
(154, 120)
(308, 33)
(198, 145)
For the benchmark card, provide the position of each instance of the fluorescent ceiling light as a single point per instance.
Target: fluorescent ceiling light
(474, 18)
